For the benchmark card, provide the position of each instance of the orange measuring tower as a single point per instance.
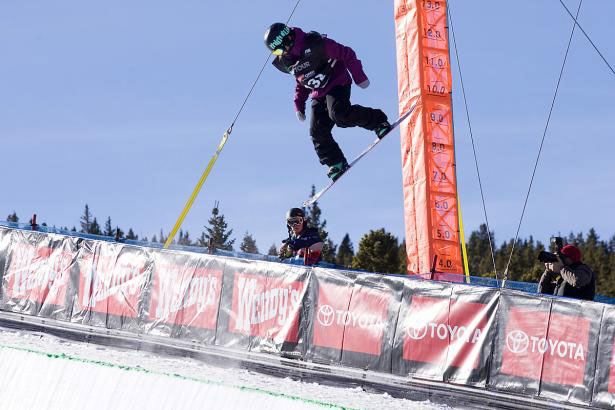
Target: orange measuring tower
(427, 141)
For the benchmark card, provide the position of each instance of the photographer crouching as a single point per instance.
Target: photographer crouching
(565, 274)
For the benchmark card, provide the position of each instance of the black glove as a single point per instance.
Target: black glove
(286, 241)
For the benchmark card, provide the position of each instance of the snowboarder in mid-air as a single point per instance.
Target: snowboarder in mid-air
(321, 67)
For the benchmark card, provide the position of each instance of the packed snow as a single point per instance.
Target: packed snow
(38, 370)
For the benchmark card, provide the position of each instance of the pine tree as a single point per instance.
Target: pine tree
(131, 235)
(531, 268)
(594, 253)
(154, 239)
(314, 214)
(607, 287)
(378, 252)
(86, 220)
(345, 252)
(273, 250)
(217, 231)
(95, 228)
(248, 244)
(108, 228)
(12, 217)
(403, 258)
(202, 241)
(184, 238)
(328, 251)
(611, 244)
(479, 253)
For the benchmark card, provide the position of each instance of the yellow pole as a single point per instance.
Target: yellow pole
(196, 190)
(463, 243)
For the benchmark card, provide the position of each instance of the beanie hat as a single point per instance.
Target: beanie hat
(294, 212)
(572, 252)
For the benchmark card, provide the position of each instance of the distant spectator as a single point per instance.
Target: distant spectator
(303, 241)
(568, 276)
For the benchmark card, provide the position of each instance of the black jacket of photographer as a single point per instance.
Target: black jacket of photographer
(575, 280)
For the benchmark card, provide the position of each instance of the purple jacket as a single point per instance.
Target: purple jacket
(346, 61)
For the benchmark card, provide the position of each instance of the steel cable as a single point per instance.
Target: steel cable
(473, 144)
(587, 36)
(214, 158)
(260, 72)
(561, 72)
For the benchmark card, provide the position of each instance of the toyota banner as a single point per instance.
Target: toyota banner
(353, 319)
(604, 384)
(533, 345)
(546, 347)
(445, 332)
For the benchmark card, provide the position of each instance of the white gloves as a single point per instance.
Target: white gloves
(364, 84)
(300, 116)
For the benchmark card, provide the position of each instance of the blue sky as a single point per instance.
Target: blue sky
(121, 104)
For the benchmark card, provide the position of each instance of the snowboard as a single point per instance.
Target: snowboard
(371, 146)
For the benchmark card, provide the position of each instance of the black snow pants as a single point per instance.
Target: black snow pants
(335, 109)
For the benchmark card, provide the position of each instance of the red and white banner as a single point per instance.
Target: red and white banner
(112, 280)
(611, 366)
(37, 273)
(185, 290)
(557, 354)
(554, 348)
(547, 346)
(445, 332)
(332, 312)
(525, 332)
(352, 319)
(266, 307)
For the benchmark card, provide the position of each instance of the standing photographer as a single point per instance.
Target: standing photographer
(575, 280)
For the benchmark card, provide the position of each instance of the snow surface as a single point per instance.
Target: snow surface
(41, 371)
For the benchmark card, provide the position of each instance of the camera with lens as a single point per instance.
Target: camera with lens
(547, 257)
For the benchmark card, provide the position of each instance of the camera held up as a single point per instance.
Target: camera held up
(547, 257)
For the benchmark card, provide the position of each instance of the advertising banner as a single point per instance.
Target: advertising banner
(369, 322)
(330, 296)
(569, 351)
(472, 326)
(37, 275)
(604, 383)
(546, 346)
(421, 339)
(523, 322)
(184, 296)
(112, 282)
(5, 242)
(261, 306)
(444, 332)
(539, 346)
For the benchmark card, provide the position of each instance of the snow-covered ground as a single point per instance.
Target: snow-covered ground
(40, 371)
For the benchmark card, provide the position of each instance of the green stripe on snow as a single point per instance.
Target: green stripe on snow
(175, 375)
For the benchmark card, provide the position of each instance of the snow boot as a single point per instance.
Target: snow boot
(382, 129)
(336, 171)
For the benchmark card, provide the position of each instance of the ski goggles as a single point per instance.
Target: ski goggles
(294, 221)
